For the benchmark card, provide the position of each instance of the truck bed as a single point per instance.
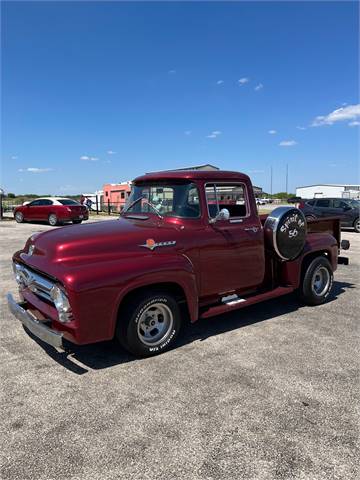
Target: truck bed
(329, 225)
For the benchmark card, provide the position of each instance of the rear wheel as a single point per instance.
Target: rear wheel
(149, 324)
(357, 225)
(76, 221)
(53, 220)
(19, 217)
(310, 217)
(317, 281)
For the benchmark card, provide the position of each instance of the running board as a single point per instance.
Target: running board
(233, 302)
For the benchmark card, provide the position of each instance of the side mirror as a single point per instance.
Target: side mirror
(346, 208)
(224, 214)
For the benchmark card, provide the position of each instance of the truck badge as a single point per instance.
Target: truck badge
(151, 244)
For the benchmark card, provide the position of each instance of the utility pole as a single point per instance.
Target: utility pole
(287, 177)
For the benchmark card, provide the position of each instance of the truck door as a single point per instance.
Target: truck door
(232, 251)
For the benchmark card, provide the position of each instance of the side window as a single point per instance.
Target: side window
(311, 203)
(339, 203)
(323, 203)
(43, 203)
(230, 196)
(35, 203)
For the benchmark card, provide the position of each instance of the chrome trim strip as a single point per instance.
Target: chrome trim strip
(39, 329)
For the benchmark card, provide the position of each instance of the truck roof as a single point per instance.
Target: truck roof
(217, 175)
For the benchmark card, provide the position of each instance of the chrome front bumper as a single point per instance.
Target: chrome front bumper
(39, 329)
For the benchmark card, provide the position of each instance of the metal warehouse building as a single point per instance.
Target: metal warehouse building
(329, 190)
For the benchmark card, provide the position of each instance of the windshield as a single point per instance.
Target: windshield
(170, 200)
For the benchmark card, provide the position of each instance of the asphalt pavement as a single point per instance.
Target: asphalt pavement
(268, 392)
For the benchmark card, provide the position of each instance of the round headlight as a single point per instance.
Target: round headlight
(61, 303)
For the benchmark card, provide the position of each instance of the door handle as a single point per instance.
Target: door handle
(251, 229)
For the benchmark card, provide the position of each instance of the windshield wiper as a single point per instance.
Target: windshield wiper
(148, 202)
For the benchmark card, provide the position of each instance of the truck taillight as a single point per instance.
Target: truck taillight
(301, 205)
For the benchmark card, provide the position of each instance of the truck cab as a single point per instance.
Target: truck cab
(188, 244)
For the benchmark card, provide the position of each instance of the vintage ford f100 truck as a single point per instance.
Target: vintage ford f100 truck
(188, 244)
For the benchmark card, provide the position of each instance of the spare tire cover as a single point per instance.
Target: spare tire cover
(285, 232)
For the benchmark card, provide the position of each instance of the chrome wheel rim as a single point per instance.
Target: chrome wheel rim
(19, 217)
(320, 281)
(357, 225)
(154, 324)
(52, 219)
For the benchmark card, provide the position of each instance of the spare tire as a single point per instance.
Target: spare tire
(285, 232)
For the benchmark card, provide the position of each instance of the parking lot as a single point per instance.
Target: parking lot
(268, 392)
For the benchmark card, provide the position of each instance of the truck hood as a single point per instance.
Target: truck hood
(100, 241)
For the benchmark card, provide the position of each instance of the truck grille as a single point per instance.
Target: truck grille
(38, 284)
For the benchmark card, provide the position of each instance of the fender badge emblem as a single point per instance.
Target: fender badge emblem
(151, 244)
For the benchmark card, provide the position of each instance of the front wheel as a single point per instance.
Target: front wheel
(53, 220)
(149, 324)
(357, 225)
(317, 281)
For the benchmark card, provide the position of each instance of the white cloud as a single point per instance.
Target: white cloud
(243, 80)
(111, 152)
(187, 132)
(214, 134)
(219, 82)
(171, 72)
(90, 159)
(35, 170)
(301, 128)
(287, 143)
(14, 157)
(355, 123)
(349, 112)
(272, 132)
(258, 87)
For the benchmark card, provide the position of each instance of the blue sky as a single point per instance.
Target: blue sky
(102, 92)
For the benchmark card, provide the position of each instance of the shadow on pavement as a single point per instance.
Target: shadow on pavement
(108, 354)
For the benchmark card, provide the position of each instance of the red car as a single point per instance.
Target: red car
(52, 210)
(176, 252)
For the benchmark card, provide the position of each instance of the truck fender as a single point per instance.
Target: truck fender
(175, 269)
(316, 245)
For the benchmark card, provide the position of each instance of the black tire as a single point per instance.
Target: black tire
(130, 330)
(53, 220)
(317, 280)
(356, 225)
(19, 217)
(76, 222)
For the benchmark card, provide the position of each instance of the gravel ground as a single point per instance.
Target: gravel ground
(269, 392)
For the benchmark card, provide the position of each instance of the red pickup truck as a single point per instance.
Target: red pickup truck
(188, 244)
